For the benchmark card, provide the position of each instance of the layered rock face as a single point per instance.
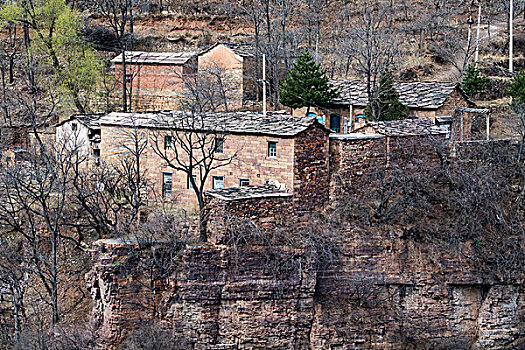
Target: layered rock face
(218, 298)
(383, 292)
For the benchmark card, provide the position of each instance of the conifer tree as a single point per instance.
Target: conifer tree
(473, 82)
(517, 91)
(306, 85)
(385, 103)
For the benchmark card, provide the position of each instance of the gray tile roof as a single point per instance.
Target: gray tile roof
(425, 95)
(241, 49)
(405, 127)
(248, 192)
(276, 123)
(92, 121)
(176, 58)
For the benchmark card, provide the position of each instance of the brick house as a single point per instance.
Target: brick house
(434, 100)
(236, 62)
(156, 79)
(286, 150)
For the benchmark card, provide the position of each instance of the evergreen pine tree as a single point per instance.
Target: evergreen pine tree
(306, 85)
(385, 103)
(517, 91)
(473, 83)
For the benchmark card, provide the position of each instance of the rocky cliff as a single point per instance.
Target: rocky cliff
(383, 292)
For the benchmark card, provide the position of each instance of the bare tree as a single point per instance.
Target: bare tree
(372, 44)
(195, 141)
(118, 15)
(13, 275)
(112, 195)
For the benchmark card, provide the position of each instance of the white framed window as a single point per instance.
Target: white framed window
(218, 182)
(272, 149)
(168, 142)
(244, 182)
(194, 180)
(167, 184)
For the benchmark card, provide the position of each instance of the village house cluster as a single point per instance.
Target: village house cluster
(278, 160)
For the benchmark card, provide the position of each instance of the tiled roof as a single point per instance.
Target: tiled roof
(176, 58)
(241, 49)
(405, 127)
(276, 123)
(92, 121)
(248, 192)
(426, 95)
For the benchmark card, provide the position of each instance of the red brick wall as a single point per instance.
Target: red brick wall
(157, 86)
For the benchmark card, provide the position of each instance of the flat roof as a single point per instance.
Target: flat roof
(248, 192)
(356, 136)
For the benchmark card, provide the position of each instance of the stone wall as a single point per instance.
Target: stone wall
(266, 213)
(311, 170)
(354, 162)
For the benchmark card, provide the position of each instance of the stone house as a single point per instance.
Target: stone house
(289, 151)
(434, 100)
(81, 132)
(156, 80)
(236, 63)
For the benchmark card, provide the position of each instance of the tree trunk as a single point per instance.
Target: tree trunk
(54, 279)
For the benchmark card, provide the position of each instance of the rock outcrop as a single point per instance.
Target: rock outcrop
(384, 292)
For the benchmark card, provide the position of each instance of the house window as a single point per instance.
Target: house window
(74, 126)
(129, 78)
(167, 181)
(218, 182)
(335, 122)
(244, 182)
(447, 128)
(194, 180)
(272, 149)
(219, 145)
(168, 142)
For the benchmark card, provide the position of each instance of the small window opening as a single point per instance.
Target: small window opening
(272, 149)
(219, 145)
(218, 182)
(167, 181)
(168, 142)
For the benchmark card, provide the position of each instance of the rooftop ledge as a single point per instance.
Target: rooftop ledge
(356, 136)
(248, 192)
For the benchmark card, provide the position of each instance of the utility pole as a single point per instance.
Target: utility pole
(511, 34)
(476, 59)
(264, 83)
(470, 21)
